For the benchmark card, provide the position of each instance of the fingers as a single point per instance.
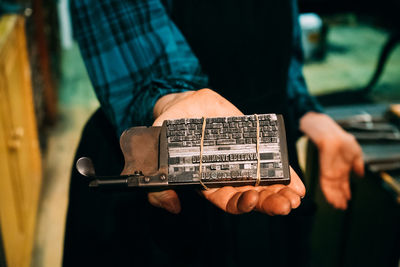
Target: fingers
(220, 196)
(336, 195)
(167, 200)
(335, 172)
(293, 198)
(296, 184)
(356, 162)
(233, 200)
(278, 203)
(273, 203)
(346, 189)
(242, 202)
(336, 192)
(274, 200)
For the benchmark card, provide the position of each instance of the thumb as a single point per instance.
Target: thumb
(167, 200)
(296, 184)
(358, 165)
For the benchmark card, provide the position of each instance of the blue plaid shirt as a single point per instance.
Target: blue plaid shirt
(135, 54)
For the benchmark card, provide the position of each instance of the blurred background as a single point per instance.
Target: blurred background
(352, 65)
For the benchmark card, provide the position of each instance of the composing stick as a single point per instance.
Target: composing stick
(169, 156)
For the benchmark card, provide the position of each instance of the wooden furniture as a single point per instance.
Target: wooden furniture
(20, 160)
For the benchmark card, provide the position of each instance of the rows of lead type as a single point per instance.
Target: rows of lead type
(261, 117)
(263, 140)
(227, 169)
(185, 129)
(210, 134)
(237, 174)
(263, 165)
(225, 175)
(246, 125)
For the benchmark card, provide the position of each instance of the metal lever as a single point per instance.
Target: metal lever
(85, 167)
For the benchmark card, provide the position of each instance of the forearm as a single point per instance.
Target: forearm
(300, 101)
(319, 127)
(132, 68)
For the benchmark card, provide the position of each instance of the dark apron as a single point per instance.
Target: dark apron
(244, 47)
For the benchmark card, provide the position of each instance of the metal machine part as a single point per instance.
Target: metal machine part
(169, 156)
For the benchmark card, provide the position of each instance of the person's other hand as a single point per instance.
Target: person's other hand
(273, 200)
(339, 154)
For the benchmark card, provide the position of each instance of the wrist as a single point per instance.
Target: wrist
(319, 127)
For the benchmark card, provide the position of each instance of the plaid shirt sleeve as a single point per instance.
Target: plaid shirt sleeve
(300, 101)
(134, 54)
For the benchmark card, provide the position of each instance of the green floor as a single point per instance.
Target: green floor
(351, 58)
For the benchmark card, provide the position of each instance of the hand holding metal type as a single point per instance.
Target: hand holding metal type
(201, 152)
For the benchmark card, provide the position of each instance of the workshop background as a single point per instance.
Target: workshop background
(352, 65)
